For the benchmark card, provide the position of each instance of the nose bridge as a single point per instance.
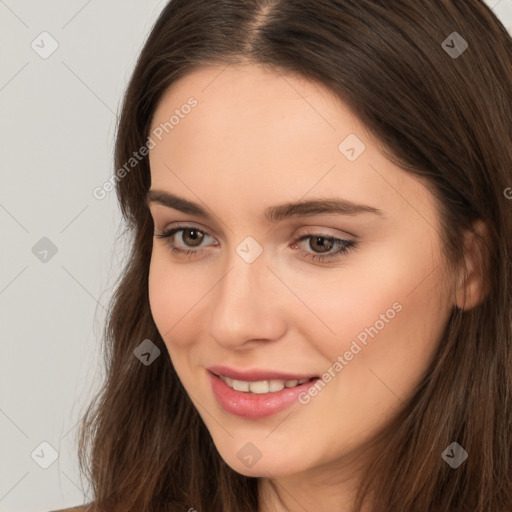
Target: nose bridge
(243, 306)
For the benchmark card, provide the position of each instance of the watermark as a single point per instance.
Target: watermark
(454, 45)
(151, 142)
(44, 45)
(508, 192)
(454, 455)
(44, 455)
(249, 249)
(44, 250)
(146, 352)
(249, 454)
(352, 147)
(343, 360)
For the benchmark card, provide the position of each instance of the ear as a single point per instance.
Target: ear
(473, 281)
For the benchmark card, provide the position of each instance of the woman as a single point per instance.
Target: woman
(316, 313)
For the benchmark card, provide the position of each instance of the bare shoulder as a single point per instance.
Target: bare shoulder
(81, 508)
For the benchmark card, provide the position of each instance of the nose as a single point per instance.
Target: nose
(247, 305)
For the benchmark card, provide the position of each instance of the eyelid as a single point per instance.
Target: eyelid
(167, 233)
(186, 225)
(318, 230)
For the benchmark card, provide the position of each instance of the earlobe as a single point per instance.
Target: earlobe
(473, 281)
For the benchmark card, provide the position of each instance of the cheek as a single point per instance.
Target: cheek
(167, 295)
(355, 294)
(385, 310)
(177, 292)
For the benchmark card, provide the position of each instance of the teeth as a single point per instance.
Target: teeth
(277, 385)
(261, 386)
(240, 385)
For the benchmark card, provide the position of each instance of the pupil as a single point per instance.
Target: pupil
(194, 235)
(323, 242)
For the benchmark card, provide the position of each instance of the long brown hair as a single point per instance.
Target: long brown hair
(444, 117)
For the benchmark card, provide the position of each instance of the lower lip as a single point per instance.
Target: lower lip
(253, 405)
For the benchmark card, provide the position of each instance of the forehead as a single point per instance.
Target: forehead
(263, 111)
(257, 134)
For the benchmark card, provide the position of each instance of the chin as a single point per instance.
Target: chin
(266, 466)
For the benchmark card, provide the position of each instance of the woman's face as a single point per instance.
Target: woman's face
(263, 173)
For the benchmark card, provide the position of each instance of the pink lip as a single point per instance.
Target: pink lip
(255, 375)
(252, 405)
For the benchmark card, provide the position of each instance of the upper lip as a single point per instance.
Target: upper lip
(257, 374)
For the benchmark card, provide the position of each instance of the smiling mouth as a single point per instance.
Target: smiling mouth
(262, 386)
(247, 397)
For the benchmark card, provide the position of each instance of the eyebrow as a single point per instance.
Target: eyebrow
(273, 214)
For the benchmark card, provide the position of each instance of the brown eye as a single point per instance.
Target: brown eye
(323, 248)
(192, 237)
(185, 240)
(321, 243)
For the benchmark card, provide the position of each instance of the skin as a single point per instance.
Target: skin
(257, 138)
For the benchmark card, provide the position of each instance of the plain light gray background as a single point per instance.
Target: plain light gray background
(58, 118)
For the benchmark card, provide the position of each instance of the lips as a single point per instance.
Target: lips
(258, 405)
(258, 375)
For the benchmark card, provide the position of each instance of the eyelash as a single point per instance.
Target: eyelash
(346, 245)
